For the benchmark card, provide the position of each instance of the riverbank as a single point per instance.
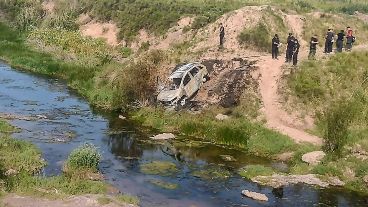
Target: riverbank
(21, 164)
(236, 132)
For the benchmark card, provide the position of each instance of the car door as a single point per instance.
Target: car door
(190, 84)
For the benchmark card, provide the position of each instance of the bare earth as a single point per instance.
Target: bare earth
(73, 201)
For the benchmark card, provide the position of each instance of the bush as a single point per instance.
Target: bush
(338, 119)
(259, 36)
(84, 157)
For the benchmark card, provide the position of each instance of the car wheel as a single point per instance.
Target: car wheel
(205, 78)
(183, 101)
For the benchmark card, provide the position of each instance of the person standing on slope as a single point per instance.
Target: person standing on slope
(275, 46)
(329, 41)
(289, 48)
(295, 51)
(349, 39)
(222, 35)
(340, 41)
(313, 47)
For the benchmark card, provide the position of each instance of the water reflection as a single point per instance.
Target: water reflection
(70, 122)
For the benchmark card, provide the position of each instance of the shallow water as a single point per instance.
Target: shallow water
(68, 121)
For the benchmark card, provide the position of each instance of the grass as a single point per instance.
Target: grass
(251, 171)
(212, 173)
(335, 90)
(236, 132)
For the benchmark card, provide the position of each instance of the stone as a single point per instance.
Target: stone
(122, 117)
(228, 158)
(277, 181)
(11, 172)
(255, 195)
(365, 179)
(163, 136)
(222, 117)
(313, 158)
(286, 156)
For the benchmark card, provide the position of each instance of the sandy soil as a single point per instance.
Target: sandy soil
(13, 200)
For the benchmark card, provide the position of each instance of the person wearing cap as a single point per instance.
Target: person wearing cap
(275, 46)
(349, 39)
(329, 41)
(295, 51)
(313, 47)
(289, 48)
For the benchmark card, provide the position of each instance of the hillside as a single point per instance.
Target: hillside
(118, 54)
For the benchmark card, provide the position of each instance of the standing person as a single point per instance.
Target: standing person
(295, 51)
(329, 41)
(349, 39)
(289, 48)
(222, 35)
(313, 47)
(275, 46)
(340, 41)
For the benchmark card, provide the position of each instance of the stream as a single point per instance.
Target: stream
(65, 121)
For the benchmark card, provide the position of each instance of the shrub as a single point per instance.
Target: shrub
(259, 36)
(84, 157)
(338, 118)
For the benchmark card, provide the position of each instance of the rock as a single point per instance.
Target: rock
(365, 179)
(41, 117)
(222, 117)
(163, 136)
(254, 195)
(122, 117)
(278, 181)
(335, 181)
(11, 172)
(228, 158)
(313, 158)
(285, 156)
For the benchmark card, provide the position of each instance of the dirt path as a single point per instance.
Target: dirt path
(278, 119)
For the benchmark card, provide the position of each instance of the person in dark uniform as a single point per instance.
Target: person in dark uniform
(222, 35)
(275, 46)
(296, 51)
(329, 41)
(313, 47)
(289, 48)
(340, 41)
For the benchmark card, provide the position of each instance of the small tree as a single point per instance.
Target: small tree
(338, 119)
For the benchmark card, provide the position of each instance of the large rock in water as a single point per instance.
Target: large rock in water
(163, 136)
(313, 158)
(254, 195)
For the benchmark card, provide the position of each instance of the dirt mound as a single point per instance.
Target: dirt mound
(108, 31)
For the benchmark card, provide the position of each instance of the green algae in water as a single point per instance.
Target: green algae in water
(212, 173)
(163, 184)
(163, 168)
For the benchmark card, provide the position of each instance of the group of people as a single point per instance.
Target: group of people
(292, 48)
(293, 45)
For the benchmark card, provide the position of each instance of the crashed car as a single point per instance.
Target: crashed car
(185, 82)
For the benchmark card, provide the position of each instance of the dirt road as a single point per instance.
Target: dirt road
(277, 118)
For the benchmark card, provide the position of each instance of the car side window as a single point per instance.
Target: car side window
(194, 71)
(186, 80)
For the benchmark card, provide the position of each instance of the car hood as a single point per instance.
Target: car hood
(168, 95)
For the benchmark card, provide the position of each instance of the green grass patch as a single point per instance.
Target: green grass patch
(163, 168)
(251, 171)
(212, 173)
(127, 199)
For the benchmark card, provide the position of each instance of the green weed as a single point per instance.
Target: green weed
(251, 171)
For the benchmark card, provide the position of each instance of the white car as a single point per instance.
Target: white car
(185, 82)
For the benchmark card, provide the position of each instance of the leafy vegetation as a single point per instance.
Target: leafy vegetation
(162, 168)
(251, 171)
(84, 157)
(236, 132)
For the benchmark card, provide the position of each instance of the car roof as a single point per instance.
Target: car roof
(179, 73)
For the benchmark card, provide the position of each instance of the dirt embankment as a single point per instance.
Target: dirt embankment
(230, 68)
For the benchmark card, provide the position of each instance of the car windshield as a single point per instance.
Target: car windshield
(175, 83)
